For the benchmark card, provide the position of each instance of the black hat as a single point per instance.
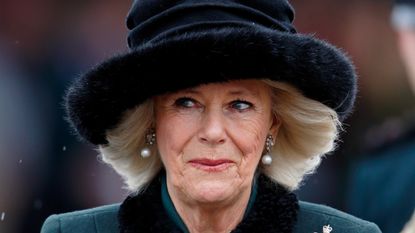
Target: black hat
(180, 44)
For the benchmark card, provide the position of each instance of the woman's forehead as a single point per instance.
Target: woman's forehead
(235, 87)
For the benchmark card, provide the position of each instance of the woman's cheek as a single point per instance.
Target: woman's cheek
(176, 131)
(251, 136)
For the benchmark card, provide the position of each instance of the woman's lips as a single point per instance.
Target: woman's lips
(211, 165)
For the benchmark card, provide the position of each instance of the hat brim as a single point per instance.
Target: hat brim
(96, 101)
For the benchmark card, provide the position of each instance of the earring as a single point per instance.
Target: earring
(267, 159)
(150, 140)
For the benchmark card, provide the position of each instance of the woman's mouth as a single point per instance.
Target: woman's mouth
(211, 165)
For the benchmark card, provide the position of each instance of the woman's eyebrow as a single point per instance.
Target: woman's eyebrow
(234, 92)
(244, 92)
(189, 91)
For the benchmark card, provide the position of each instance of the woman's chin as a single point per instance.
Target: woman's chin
(211, 192)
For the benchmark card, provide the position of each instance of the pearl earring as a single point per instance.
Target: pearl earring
(267, 159)
(150, 140)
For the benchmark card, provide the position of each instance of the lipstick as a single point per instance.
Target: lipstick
(211, 165)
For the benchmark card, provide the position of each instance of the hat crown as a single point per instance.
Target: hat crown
(151, 19)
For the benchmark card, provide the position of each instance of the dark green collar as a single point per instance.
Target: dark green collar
(169, 207)
(275, 210)
(174, 216)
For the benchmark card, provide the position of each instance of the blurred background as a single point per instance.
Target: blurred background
(44, 44)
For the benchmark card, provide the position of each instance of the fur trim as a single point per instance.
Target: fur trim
(275, 210)
(96, 101)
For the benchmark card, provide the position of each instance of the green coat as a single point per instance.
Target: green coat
(311, 218)
(274, 210)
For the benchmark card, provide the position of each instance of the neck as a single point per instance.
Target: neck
(274, 210)
(212, 217)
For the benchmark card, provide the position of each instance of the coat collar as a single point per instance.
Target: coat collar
(275, 210)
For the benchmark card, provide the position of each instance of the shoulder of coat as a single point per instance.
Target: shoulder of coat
(321, 219)
(103, 219)
(96, 211)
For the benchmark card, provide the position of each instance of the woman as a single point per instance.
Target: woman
(213, 118)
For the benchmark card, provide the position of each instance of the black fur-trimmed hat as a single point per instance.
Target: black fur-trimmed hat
(179, 44)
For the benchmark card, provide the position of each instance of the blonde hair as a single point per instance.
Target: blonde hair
(308, 130)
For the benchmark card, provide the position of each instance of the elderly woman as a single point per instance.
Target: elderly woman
(214, 116)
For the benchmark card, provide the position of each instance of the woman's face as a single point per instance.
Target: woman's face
(211, 138)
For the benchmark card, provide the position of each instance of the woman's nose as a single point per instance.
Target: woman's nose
(212, 129)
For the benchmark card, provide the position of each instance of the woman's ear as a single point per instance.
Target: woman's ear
(275, 126)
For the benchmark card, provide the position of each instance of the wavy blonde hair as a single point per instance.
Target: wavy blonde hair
(308, 130)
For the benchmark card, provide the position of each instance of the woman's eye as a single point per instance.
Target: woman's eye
(185, 102)
(241, 105)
